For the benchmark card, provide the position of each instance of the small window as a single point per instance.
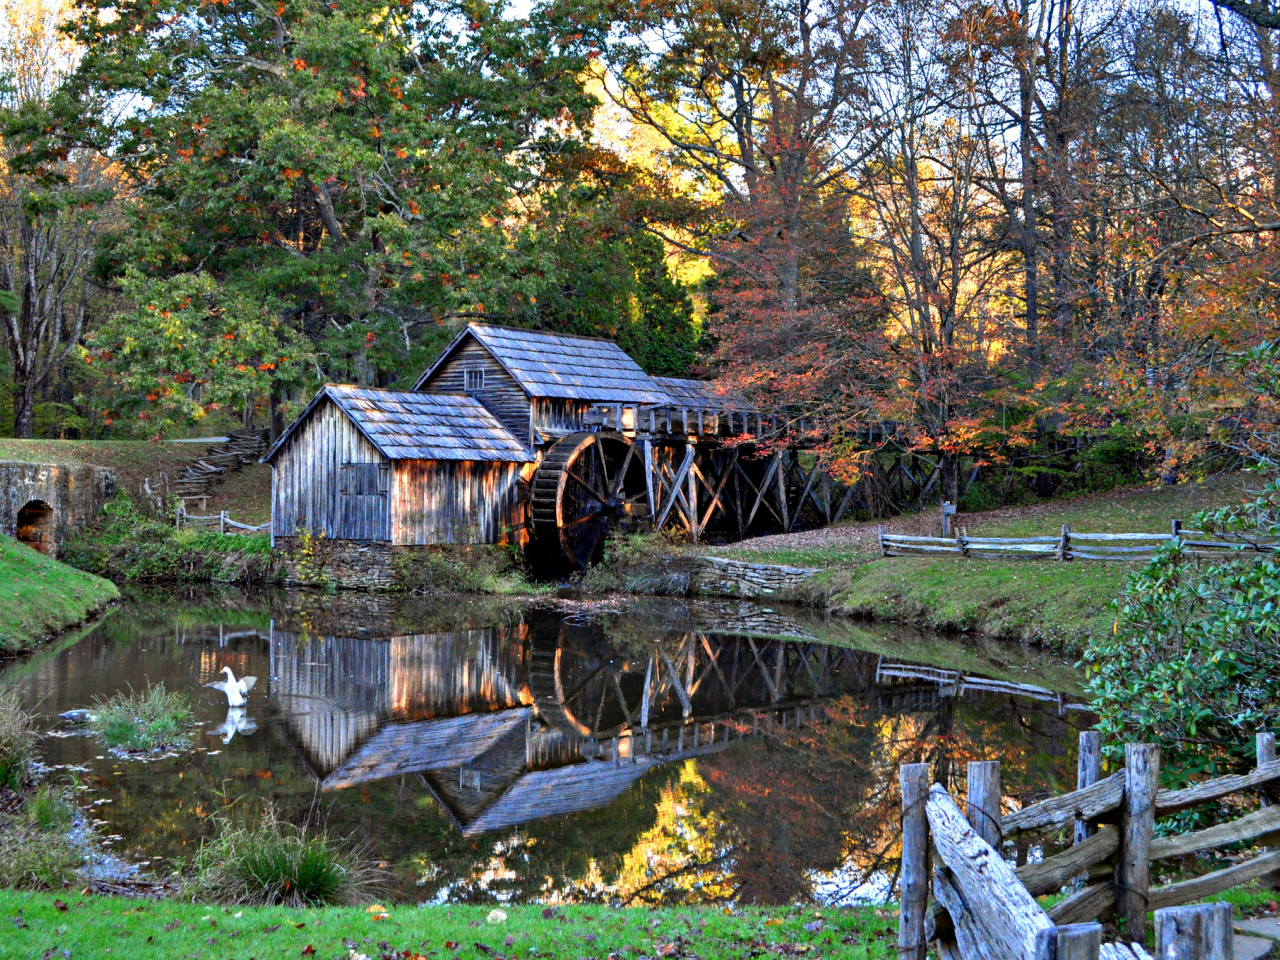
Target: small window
(475, 380)
(365, 479)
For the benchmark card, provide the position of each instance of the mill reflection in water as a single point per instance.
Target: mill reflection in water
(656, 754)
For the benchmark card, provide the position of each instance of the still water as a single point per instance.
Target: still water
(641, 753)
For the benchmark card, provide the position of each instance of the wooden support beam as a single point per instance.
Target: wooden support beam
(675, 486)
(764, 487)
(715, 495)
(983, 807)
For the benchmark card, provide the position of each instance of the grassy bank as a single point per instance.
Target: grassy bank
(102, 926)
(40, 597)
(1059, 604)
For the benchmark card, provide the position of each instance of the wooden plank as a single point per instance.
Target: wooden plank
(914, 883)
(1051, 874)
(1171, 801)
(1211, 883)
(1056, 812)
(1245, 828)
(1137, 821)
(1088, 772)
(1094, 901)
(1008, 918)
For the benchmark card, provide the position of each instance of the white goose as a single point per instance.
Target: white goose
(236, 690)
(236, 722)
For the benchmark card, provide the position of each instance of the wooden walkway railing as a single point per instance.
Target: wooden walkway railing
(985, 908)
(1066, 546)
(223, 522)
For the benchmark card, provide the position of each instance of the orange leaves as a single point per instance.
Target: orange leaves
(289, 173)
(299, 64)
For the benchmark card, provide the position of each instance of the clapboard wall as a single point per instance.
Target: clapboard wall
(306, 482)
(455, 501)
(503, 397)
(557, 417)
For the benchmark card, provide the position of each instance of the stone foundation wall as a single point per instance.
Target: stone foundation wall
(351, 564)
(738, 578)
(74, 492)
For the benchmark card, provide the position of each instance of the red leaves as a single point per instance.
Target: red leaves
(60, 906)
(308, 951)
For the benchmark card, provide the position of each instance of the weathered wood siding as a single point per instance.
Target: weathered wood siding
(555, 417)
(503, 397)
(455, 501)
(307, 480)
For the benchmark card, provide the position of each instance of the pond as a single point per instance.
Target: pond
(639, 752)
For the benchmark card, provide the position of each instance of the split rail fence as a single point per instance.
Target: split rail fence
(985, 908)
(1067, 545)
(223, 522)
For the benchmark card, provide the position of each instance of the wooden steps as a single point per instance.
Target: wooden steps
(242, 446)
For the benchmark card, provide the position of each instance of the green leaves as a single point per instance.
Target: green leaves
(1192, 663)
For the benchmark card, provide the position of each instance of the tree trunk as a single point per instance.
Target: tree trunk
(24, 410)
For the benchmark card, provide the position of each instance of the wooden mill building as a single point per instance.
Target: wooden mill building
(521, 435)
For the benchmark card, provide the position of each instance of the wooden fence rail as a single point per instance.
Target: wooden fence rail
(1109, 863)
(1066, 546)
(223, 522)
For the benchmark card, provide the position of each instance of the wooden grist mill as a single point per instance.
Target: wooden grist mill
(546, 440)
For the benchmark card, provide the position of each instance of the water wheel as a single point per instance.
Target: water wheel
(587, 485)
(582, 687)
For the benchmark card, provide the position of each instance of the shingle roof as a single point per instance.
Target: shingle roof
(420, 426)
(701, 393)
(559, 365)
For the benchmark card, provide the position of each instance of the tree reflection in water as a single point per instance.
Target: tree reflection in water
(550, 758)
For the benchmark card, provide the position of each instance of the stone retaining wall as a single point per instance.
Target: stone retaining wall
(738, 578)
(46, 504)
(351, 564)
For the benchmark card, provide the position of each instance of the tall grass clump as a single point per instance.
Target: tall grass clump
(17, 741)
(35, 859)
(145, 721)
(650, 563)
(272, 862)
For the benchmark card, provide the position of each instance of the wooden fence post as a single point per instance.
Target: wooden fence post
(914, 883)
(1064, 545)
(1088, 772)
(880, 538)
(1137, 820)
(1199, 932)
(1175, 528)
(1073, 941)
(1266, 746)
(983, 807)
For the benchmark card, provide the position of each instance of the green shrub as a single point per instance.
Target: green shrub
(274, 862)
(33, 859)
(462, 568)
(17, 741)
(1191, 661)
(650, 563)
(150, 720)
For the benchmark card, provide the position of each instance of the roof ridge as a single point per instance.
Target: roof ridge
(545, 333)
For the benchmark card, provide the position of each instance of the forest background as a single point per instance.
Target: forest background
(995, 223)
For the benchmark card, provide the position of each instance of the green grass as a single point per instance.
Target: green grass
(150, 720)
(40, 597)
(160, 930)
(17, 741)
(1058, 604)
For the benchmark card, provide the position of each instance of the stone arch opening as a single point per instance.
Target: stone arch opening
(35, 527)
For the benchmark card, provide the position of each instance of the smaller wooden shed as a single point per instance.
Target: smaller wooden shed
(398, 467)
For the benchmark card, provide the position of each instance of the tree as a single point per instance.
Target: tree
(371, 173)
(51, 209)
